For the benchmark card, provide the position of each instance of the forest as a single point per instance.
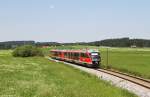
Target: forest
(117, 42)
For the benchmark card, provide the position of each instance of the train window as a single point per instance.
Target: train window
(72, 55)
(52, 53)
(55, 53)
(69, 55)
(65, 54)
(84, 55)
(76, 56)
(59, 53)
(94, 54)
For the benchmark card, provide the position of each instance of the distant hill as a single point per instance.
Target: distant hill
(118, 42)
(48, 44)
(122, 42)
(14, 44)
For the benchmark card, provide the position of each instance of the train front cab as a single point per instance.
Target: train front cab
(91, 59)
(96, 59)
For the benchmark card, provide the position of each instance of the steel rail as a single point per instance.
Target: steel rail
(137, 80)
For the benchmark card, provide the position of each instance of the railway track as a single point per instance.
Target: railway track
(137, 80)
(137, 85)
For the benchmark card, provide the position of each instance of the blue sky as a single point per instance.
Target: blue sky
(73, 20)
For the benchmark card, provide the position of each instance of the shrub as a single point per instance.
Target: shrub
(27, 51)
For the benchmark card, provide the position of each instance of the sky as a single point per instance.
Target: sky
(73, 20)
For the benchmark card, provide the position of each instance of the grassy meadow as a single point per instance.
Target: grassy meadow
(135, 61)
(39, 77)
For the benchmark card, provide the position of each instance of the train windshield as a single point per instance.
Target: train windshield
(95, 55)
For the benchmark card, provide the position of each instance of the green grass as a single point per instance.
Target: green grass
(130, 60)
(39, 77)
(5, 52)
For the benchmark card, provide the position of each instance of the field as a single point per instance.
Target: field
(135, 61)
(39, 77)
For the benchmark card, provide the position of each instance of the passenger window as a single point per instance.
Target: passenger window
(84, 55)
(65, 54)
(76, 55)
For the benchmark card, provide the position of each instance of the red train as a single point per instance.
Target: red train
(90, 58)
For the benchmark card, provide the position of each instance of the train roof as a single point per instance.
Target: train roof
(84, 51)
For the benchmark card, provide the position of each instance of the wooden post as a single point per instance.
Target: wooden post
(107, 57)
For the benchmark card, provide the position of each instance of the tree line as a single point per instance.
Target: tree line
(14, 44)
(118, 42)
(122, 42)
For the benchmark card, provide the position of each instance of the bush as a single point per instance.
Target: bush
(27, 51)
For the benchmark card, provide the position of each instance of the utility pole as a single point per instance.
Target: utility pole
(107, 57)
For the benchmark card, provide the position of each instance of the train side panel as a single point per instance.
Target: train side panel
(83, 58)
